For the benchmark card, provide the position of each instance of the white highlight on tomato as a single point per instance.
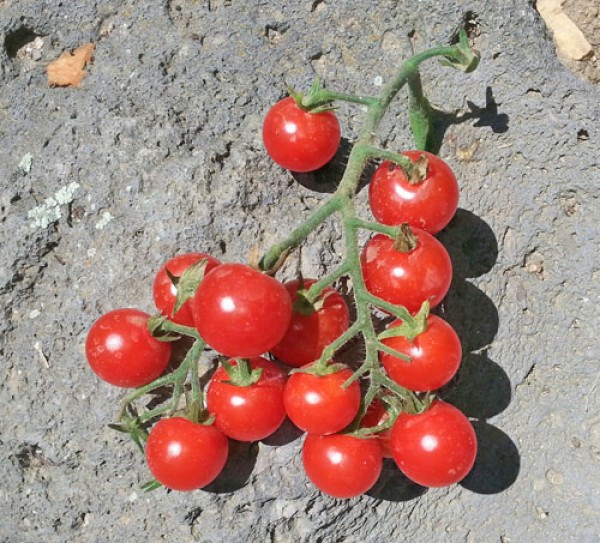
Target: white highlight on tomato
(237, 401)
(335, 457)
(429, 443)
(312, 398)
(398, 272)
(174, 449)
(227, 304)
(114, 342)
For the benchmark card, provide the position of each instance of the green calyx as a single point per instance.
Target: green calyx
(315, 101)
(187, 284)
(405, 240)
(464, 57)
(409, 329)
(241, 373)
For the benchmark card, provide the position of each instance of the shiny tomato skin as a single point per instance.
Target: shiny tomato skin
(183, 455)
(241, 312)
(429, 205)
(248, 413)
(341, 465)
(308, 335)
(435, 356)
(299, 140)
(436, 448)
(121, 350)
(165, 292)
(376, 415)
(407, 279)
(319, 404)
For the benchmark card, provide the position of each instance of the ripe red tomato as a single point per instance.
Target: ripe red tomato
(434, 356)
(319, 404)
(299, 140)
(121, 350)
(308, 335)
(376, 415)
(341, 465)
(429, 204)
(165, 292)
(241, 312)
(437, 447)
(248, 413)
(183, 455)
(407, 279)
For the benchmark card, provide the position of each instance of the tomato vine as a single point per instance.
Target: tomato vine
(243, 312)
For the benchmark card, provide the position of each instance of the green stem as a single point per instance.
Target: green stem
(175, 378)
(319, 216)
(317, 288)
(337, 344)
(391, 231)
(396, 310)
(403, 161)
(419, 113)
(326, 96)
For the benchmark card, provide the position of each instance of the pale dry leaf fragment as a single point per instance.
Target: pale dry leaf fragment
(68, 69)
(570, 41)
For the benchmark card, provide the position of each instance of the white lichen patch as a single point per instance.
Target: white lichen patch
(49, 211)
(25, 164)
(104, 220)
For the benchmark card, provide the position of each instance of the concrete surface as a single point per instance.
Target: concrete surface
(159, 151)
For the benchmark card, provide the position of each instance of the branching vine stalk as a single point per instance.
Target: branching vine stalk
(459, 56)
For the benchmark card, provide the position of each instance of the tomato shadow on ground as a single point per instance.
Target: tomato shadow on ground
(327, 178)
(471, 243)
(481, 389)
(238, 469)
(484, 116)
(285, 434)
(393, 486)
(497, 464)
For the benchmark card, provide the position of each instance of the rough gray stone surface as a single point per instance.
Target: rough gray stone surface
(159, 151)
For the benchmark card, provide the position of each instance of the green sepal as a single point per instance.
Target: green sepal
(156, 325)
(320, 369)
(303, 305)
(409, 330)
(187, 284)
(405, 241)
(241, 374)
(419, 171)
(151, 485)
(466, 58)
(132, 425)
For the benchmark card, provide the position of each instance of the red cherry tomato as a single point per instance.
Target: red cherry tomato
(437, 447)
(341, 465)
(407, 279)
(429, 204)
(299, 140)
(241, 312)
(183, 455)
(121, 350)
(434, 356)
(319, 404)
(248, 413)
(308, 335)
(376, 415)
(165, 292)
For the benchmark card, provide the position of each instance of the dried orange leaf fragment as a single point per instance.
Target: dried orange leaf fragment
(67, 70)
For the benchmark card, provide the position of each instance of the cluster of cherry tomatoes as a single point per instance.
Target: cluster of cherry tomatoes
(244, 314)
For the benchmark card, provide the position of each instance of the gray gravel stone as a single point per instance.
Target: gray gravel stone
(161, 147)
